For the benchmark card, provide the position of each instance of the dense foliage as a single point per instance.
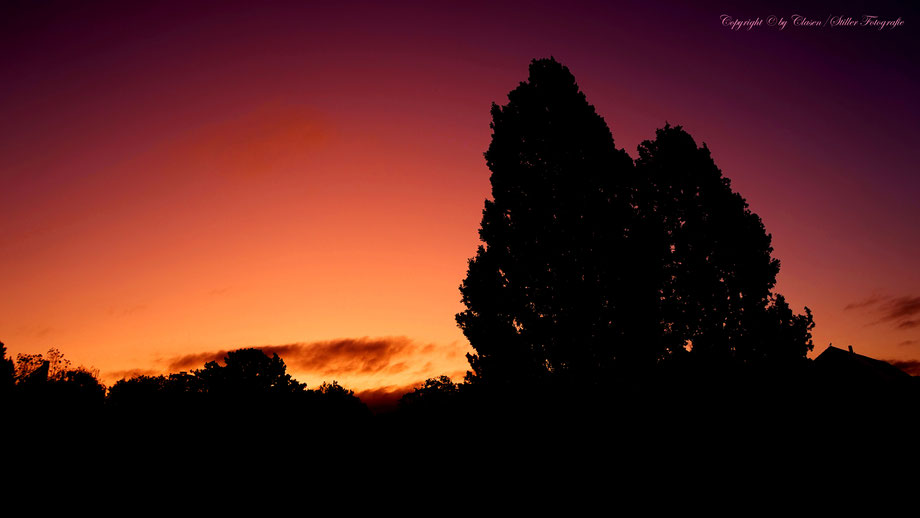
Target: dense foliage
(595, 268)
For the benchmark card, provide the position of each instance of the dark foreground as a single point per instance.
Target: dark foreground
(674, 429)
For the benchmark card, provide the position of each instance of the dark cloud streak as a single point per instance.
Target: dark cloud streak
(901, 308)
(193, 361)
(870, 301)
(899, 311)
(131, 373)
(327, 358)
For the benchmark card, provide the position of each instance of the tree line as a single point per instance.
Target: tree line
(247, 383)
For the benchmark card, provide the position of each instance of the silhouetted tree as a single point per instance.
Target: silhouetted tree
(333, 401)
(591, 267)
(183, 383)
(139, 390)
(7, 371)
(79, 387)
(715, 269)
(545, 295)
(52, 366)
(335, 391)
(58, 366)
(781, 337)
(29, 364)
(47, 386)
(436, 392)
(247, 372)
(176, 396)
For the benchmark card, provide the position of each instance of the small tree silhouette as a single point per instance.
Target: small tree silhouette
(332, 400)
(433, 393)
(248, 372)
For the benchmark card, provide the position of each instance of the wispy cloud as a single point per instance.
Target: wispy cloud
(193, 361)
(900, 312)
(380, 370)
(868, 301)
(345, 356)
(130, 373)
(900, 308)
(349, 355)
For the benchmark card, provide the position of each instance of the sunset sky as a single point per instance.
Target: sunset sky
(179, 179)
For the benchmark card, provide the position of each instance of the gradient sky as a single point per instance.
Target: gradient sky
(183, 178)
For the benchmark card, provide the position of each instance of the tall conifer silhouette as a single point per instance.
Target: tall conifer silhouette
(542, 292)
(717, 272)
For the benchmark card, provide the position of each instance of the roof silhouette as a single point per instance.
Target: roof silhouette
(848, 363)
